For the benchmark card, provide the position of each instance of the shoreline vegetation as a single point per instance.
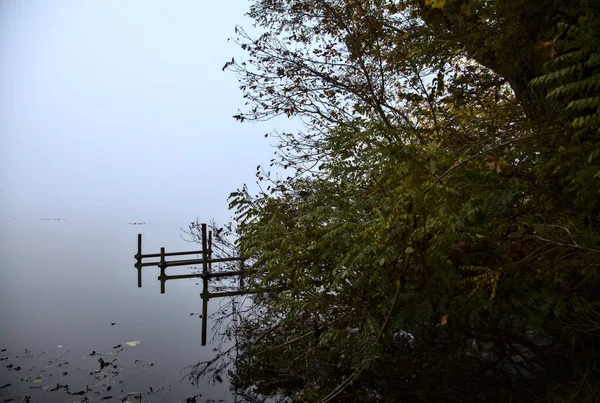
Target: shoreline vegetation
(434, 228)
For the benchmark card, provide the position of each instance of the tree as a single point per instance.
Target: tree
(443, 222)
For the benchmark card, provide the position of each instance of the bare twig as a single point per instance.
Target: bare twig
(342, 386)
(567, 245)
(457, 164)
(52, 361)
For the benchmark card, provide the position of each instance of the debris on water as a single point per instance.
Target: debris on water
(59, 387)
(112, 324)
(117, 346)
(106, 363)
(132, 343)
(103, 376)
(135, 395)
(37, 379)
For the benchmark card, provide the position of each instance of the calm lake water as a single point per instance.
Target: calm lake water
(62, 286)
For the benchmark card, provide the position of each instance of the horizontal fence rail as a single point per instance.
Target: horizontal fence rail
(206, 261)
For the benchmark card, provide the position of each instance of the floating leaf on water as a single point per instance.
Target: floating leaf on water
(132, 343)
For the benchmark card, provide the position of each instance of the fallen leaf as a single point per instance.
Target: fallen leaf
(132, 343)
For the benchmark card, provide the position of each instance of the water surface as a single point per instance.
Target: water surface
(70, 284)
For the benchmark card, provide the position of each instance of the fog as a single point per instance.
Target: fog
(121, 110)
(112, 113)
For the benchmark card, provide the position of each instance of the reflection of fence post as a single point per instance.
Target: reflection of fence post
(204, 285)
(163, 266)
(207, 274)
(138, 257)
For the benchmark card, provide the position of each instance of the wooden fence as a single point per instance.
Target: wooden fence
(206, 261)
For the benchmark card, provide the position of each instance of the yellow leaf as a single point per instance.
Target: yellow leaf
(435, 3)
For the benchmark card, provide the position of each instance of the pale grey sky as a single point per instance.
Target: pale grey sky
(119, 109)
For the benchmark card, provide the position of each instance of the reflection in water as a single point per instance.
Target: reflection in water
(207, 261)
(69, 306)
(253, 352)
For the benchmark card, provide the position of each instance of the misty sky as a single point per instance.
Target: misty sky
(119, 110)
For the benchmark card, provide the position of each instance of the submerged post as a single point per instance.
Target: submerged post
(204, 285)
(163, 265)
(242, 274)
(138, 257)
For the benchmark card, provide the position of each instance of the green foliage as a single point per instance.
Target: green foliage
(575, 73)
(437, 239)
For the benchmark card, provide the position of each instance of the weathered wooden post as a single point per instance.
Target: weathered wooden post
(204, 285)
(138, 257)
(209, 251)
(242, 274)
(163, 265)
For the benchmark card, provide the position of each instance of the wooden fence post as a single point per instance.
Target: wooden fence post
(204, 285)
(138, 257)
(209, 251)
(163, 266)
(242, 274)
